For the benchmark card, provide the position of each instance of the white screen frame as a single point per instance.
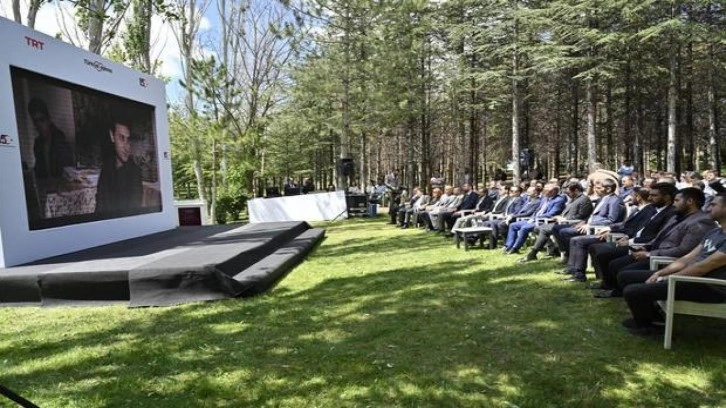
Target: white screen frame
(33, 51)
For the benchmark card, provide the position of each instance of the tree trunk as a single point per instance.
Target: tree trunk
(591, 117)
(628, 153)
(713, 142)
(611, 153)
(96, 14)
(33, 8)
(16, 12)
(691, 158)
(573, 151)
(345, 103)
(213, 192)
(672, 120)
(516, 103)
(187, 35)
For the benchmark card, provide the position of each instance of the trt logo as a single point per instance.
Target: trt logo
(143, 83)
(33, 43)
(5, 140)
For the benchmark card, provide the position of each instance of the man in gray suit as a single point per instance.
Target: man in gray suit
(579, 208)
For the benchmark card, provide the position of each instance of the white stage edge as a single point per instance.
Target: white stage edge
(307, 207)
(40, 56)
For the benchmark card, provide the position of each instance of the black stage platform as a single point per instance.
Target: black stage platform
(187, 264)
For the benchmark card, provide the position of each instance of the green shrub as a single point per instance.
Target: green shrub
(229, 207)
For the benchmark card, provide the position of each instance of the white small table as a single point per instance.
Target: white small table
(465, 233)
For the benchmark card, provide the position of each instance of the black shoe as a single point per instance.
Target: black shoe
(642, 330)
(553, 254)
(604, 294)
(576, 277)
(528, 258)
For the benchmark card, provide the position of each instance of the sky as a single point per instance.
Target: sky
(57, 17)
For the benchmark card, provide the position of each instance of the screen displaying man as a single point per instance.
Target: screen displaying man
(119, 186)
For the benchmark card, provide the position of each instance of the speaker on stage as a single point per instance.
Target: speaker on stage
(346, 167)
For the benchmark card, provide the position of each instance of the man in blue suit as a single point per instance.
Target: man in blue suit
(552, 204)
(610, 209)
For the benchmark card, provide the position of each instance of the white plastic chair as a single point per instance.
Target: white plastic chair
(671, 306)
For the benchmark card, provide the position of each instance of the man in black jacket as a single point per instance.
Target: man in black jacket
(120, 188)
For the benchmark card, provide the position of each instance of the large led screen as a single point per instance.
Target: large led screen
(86, 155)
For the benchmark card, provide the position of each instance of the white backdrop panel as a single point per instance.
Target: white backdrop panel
(307, 207)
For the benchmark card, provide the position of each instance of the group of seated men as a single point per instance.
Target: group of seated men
(619, 228)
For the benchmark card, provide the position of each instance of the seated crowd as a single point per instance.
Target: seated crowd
(614, 220)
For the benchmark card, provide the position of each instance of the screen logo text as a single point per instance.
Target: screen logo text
(98, 66)
(33, 43)
(6, 140)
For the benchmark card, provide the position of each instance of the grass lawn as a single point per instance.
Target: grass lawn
(375, 317)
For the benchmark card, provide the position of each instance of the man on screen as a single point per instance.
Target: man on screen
(119, 187)
(50, 149)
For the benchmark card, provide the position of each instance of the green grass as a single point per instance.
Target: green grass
(375, 317)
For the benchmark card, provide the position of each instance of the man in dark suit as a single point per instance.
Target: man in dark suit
(609, 210)
(552, 204)
(639, 229)
(678, 236)
(579, 208)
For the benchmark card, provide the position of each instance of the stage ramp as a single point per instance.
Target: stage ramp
(187, 264)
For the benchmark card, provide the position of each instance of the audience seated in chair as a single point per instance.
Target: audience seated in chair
(643, 287)
(468, 204)
(579, 208)
(676, 238)
(417, 201)
(485, 209)
(432, 212)
(551, 205)
(610, 209)
(639, 229)
(528, 205)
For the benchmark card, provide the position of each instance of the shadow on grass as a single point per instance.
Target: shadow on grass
(470, 331)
